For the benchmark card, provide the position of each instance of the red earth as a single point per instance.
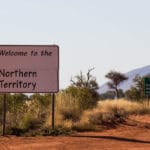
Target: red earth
(134, 134)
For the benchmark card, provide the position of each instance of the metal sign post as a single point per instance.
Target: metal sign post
(53, 110)
(4, 115)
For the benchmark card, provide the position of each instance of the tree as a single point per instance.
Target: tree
(136, 92)
(84, 88)
(116, 78)
(87, 81)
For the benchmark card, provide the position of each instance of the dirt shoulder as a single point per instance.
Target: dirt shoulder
(134, 134)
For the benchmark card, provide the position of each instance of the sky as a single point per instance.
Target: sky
(104, 34)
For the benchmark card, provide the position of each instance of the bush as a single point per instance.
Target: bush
(16, 131)
(105, 118)
(111, 112)
(48, 131)
(87, 98)
(70, 114)
(83, 127)
(30, 122)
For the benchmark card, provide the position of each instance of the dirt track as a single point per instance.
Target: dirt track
(132, 135)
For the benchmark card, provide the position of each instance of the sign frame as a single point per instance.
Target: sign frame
(39, 46)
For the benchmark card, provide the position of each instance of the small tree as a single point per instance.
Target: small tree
(84, 88)
(87, 81)
(116, 78)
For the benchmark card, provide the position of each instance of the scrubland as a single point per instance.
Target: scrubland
(33, 117)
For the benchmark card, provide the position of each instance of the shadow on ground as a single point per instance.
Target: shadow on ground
(114, 138)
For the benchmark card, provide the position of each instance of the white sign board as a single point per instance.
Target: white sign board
(29, 68)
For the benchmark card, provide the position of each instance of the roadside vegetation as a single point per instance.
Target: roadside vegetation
(77, 108)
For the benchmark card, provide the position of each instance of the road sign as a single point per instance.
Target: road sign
(29, 68)
(147, 86)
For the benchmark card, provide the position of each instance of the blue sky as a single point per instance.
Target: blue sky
(105, 34)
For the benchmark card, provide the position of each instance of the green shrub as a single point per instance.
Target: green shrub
(87, 98)
(17, 131)
(49, 131)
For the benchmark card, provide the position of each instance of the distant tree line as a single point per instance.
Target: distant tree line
(136, 91)
(85, 88)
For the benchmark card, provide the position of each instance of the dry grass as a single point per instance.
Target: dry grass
(111, 112)
(69, 115)
(108, 112)
(127, 106)
(66, 111)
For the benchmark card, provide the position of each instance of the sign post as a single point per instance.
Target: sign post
(4, 114)
(29, 69)
(53, 110)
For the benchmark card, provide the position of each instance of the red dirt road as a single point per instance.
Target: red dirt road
(132, 135)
